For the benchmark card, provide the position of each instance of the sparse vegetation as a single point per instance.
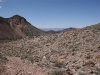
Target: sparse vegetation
(30, 59)
(89, 56)
(66, 50)
(56, 72)
(58, 64)
(3, 59)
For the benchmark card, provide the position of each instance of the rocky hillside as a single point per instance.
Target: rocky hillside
(6, 32)
(17, 27)
(75, 52)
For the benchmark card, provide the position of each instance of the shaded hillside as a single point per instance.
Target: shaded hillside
(17, 26)
(6, 32)
(75, 52)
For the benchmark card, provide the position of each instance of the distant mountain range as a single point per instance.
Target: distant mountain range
(58, 29)
(54, 29)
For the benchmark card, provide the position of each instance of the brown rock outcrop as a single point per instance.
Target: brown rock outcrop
(17, 27)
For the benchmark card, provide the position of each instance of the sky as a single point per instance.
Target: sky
(54, 13)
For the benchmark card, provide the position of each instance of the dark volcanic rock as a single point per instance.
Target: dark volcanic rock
(17, 27)
(6, 32)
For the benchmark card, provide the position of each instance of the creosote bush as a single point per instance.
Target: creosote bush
(56, 72)
(31, 59)
(58, 64)
(3, 59)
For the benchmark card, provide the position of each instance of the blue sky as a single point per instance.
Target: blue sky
(54, 13)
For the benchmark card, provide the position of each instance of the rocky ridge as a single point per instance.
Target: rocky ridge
(17, 27)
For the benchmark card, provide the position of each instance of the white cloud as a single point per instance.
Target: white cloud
(0, 7)
(1, 1)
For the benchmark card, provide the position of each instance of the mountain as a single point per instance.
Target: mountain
(6, 32)
(57, 30)
(68, 29)
(52, 29)
(17, 27)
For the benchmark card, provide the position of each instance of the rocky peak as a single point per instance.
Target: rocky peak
(16, 15)
(17, 25)
(16, 20)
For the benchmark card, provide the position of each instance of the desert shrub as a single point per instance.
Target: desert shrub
(31, 47)
(81, 73)
(89, 63)
(73, 54)
(23, 57)
(56, 72)
(37, 58)
(53, 51)
(31, 59)
(58, 64)
(3, 59)
(89, 56)
(78, 67)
